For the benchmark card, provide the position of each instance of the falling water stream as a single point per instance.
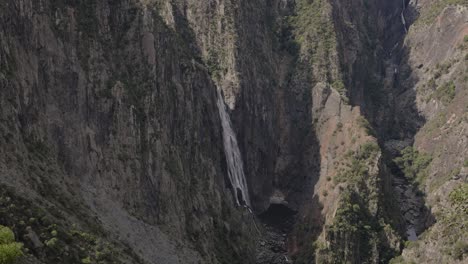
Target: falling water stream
(403, 20)
(233, 156)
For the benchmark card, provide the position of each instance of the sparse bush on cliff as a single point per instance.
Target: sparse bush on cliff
(9, 249)
(357, 163)
(459, 250)
(459, 197)
(436, 7)
(413, 164)
(362, 122)
(445, 93)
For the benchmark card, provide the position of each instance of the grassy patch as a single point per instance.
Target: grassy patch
(459, 197)
(429, 14)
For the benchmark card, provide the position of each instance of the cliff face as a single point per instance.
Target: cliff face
(437, 76)
(109, 114)
(350, 118)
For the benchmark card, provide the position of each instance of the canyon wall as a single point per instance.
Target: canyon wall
(350, 118)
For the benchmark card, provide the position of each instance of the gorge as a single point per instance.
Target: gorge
(233, 131)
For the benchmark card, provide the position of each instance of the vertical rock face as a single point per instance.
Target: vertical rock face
(107, 106)
(342, 123)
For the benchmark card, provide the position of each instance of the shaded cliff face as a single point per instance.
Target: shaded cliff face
(437, 76)
(109, 110)
(110, 128)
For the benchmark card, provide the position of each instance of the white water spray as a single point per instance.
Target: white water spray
(233, 156)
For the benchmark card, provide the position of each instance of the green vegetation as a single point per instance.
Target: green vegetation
(439, 181)
(429, 15)
(86, 260)
(397, 260)
(400, 260)
(364, 123)
(442, 69)
(459, 197)
(62, 243)
(413, 164)
(450, 231)
(353, 232)
(437, 122)
(312, 27)
(368, 150)
(464, 45)
(455, 223)
(445, 93)
(9, 249)
(339, 86)
(212, 62)
(357, 164)
(460, 249)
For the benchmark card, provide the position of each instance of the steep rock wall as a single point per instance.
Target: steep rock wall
(106, 105)
(118, 97)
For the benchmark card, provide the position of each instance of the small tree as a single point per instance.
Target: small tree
(9, 249)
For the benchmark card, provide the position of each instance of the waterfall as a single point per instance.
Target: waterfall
(403, 20)
(233, 156)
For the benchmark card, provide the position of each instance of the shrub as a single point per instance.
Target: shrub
(52, 243)
(86, 260)
(9, 249)
(6, 235)
(397, 260)
(428, 15)
(413, 163)
(445, 93)
(368, 150)
(459, 249)
(362, 122)
(339, 86)
(339, 126)
(459, 196)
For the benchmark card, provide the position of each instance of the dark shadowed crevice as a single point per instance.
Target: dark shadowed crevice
(279, 216)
